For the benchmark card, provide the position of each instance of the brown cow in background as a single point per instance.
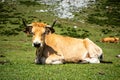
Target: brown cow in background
(110, 39)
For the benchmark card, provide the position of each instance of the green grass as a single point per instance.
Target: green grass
(17, 54)
(19, 63)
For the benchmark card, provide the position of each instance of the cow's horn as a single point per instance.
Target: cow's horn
(54, 23)
(24, 23)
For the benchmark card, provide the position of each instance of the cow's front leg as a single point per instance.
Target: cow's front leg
(37, 60)
(54, 59)
(38, 55)
(40, 60)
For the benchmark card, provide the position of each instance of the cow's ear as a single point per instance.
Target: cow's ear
(49, 29)
(28, 30)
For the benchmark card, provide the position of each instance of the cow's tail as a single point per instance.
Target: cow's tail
(100, 57)
(102, 61)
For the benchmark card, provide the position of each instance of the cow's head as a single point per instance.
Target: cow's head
(38, 30)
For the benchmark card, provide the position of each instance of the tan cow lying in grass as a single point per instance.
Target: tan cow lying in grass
(110, 39)
(52, 48)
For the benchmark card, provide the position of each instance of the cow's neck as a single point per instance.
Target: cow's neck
(50, 39)
(39, 52)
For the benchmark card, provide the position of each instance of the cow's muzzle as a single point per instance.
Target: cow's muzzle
(37, 44)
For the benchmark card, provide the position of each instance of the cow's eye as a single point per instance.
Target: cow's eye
(43, 34)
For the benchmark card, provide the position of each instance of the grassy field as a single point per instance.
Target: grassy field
(17, 54)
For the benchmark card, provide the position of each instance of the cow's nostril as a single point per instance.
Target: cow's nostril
(37, 44)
